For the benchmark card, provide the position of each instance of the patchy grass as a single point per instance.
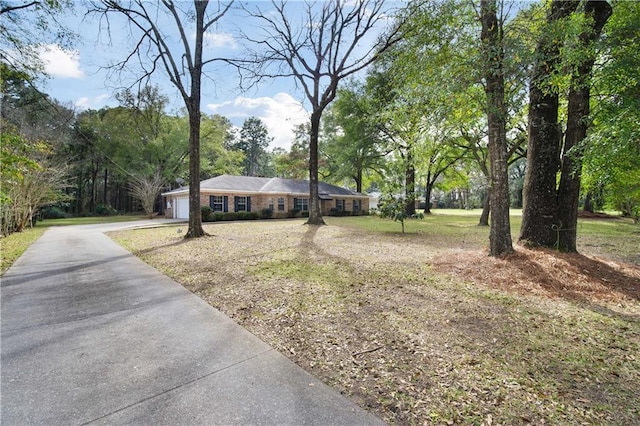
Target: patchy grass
(424, 327)
(12, 246)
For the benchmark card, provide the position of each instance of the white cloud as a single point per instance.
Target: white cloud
(280, 113)
(220, 40)
(91, 103)
(61, 63)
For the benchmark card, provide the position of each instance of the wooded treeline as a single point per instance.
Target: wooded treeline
(468, 103)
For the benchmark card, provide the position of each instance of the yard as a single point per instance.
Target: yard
(424, 327)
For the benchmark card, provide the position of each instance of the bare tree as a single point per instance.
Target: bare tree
(183, 62)
(317, 50)
(146, 190)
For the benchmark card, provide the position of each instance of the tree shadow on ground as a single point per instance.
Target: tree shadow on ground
(571, 276)
(148, 250)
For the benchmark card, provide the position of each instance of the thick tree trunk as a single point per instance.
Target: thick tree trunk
(193, 107)
(315, 214)
(500, 229)
(577, 123)
(543, 149)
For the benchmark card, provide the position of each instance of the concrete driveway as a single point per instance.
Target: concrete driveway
(91, 334)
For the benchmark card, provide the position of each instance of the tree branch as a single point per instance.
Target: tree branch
(8, 8)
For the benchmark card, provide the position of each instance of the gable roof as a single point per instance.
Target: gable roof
(266, 185)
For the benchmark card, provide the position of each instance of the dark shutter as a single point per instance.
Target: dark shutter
(295, 203)
(211, 201)
(226, 204)
(248, 204)
(235, 204)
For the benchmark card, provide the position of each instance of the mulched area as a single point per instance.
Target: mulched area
(547, 273)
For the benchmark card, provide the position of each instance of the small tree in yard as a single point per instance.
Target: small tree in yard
(146, 190)
(395, 208)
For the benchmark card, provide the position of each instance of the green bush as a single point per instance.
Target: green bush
(294, 212)
(305, 213)
(247, 215)
(336, 212)
(207, 214)
(105, 210)
(267, 213)
(218, 216)
(230, 216)
(53, 212)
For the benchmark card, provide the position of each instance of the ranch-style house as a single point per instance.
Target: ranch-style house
(229, 193)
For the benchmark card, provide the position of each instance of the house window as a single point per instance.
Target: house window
(281, 204)
(301, 204)
(243, 204)
(216, 202)
(357, 206)
(340, 205)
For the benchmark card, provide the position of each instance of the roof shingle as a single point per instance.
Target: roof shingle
(266, 185)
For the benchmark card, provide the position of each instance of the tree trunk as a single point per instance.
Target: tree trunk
(427, 194)
(500, 229)
(105, 185)
(315, 214)
(577, 123)
(193, 108)
(410, 185)
(79, 210)
(588, 202)
(94, 178)
(486, 209)
(543, 149)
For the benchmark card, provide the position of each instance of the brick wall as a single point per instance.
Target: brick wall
(263, 201)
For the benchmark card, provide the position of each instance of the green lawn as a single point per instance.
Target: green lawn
(618, 238)
(12, 247)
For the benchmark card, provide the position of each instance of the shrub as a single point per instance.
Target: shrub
(266, 213)
(105, 210)
(53, 212)
(230, 216)
(305, 213)
(294, 212)
(247, 215)
(218, 216)
(207, 214)
(336, 212)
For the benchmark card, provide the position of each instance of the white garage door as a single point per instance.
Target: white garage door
(182, 208)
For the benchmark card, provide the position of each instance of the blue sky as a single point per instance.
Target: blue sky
(78, 78)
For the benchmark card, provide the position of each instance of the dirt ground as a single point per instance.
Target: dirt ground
(425, 329)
